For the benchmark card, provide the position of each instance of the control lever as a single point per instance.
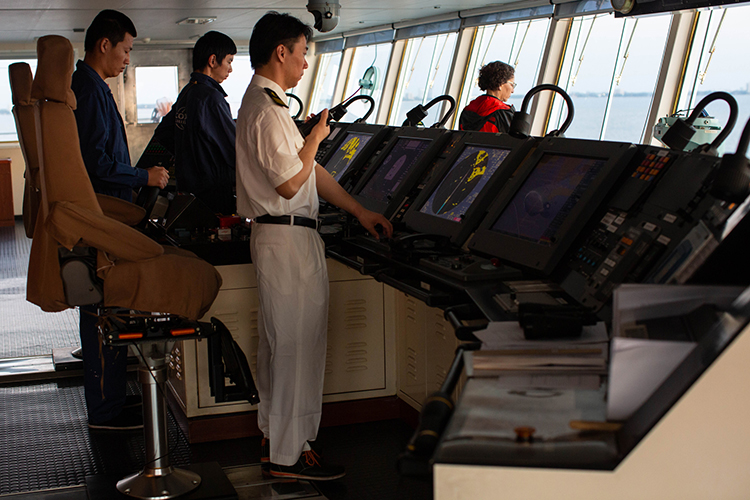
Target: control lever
(420, 242)
(433, 419)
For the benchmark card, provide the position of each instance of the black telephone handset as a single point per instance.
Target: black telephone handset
(306, 127)
(335, 113)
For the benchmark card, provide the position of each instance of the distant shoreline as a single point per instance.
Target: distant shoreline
(702, 93)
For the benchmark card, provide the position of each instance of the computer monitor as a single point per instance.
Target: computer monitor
(456, 198)
(541, 211)
(355, 147)
(398, 168)
(346, 153)
(331, 142)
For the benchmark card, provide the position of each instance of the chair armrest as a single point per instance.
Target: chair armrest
(121, 210)
(69, 223)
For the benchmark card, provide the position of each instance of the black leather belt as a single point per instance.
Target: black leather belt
(288, 220)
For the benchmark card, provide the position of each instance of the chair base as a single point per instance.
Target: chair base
(151, 484)
(215, 485)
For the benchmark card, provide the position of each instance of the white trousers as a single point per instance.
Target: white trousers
(292, 327)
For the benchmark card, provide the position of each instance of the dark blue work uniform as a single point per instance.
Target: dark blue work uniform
(201, 132)
(104, 148)
(101, 132)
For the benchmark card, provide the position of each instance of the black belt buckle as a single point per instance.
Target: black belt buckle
(298, 220)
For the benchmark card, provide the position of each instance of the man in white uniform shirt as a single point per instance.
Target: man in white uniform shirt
(278, 183)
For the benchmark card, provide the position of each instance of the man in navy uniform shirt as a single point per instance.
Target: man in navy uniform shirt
(200, 130)
(101, 131)
(104, 148)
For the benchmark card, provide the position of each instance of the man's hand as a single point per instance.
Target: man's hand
(158, 176)
(370, 219)
(321, 130)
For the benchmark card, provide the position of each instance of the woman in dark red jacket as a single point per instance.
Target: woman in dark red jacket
(489, 112)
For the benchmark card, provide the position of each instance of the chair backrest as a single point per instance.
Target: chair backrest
(23, 111)
(57, 132)
(62, 175)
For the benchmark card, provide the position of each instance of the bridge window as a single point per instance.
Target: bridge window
(7, 121)
(155, 92)
(718, 62)
(520, 44)
(366, 75)
(325, 81)
(424, 75)
(237, 82)
(609, 69)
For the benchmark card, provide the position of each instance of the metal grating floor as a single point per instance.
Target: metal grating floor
(45, 441)
(26, 330)
(45, 444)
(46, 449)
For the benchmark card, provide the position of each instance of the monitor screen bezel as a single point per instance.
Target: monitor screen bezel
(530, 255)
(458, 232)
(437, 138)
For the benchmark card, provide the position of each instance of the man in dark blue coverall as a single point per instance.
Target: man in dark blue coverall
(104, 147)
(200, 130)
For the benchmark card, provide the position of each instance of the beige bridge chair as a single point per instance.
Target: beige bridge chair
(110, 264)
(21, 79)
(23, 111)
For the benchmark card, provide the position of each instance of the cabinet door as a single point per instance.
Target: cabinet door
(356, 342)
(440, 349)
(410, 322)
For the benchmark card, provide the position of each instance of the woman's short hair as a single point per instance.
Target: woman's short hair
(272, 30)
(494, 74)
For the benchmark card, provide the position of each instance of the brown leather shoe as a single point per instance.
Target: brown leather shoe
(310, 467)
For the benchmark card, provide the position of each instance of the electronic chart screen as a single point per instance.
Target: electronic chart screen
(464, 181)
(400, 161)
(547, 197)
(347, 152)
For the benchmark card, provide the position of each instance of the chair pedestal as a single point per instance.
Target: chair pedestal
(158, 480)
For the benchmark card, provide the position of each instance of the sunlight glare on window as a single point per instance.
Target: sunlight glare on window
(376, 56)
(636, 71)
(424, 75)
(610, 70)
(325, 81)
(718, 62)
(587, 71)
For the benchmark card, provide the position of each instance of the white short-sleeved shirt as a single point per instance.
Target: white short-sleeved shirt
(268, 143)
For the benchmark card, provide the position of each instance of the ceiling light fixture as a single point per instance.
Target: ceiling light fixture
(197, 20)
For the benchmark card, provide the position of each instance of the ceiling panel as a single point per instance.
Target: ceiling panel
(26, 20)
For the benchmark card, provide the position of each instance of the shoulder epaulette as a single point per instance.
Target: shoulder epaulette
(274, 97)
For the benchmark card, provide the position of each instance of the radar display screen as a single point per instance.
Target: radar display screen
(547, 197)
(346, 154)
(394, 169)
(464, 181)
